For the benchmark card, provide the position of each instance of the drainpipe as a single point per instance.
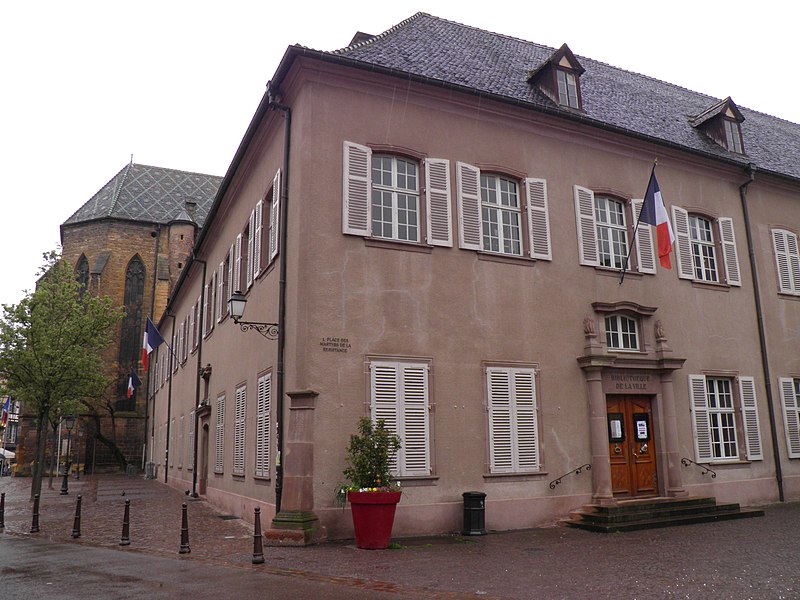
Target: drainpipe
(157, 235)
(762, 338)
(199, 371)
(169, 404)
(274, 103)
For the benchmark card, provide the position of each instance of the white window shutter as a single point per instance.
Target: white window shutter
(468, 184)
(501, 458)
(275, 215)
(240, 408)
(526, 431)
(437, 196)
(729, 254)
(250, 227)
(585, 222)
(683, 242)
(791, 415)
(256, 234)
(414, 454)
(787, 261)
(700, 418)
(205, 309)
(263, 401)
(752, 429)
(219, 457)
(538, 219)
(237, 268)
(212, 299)
(645, 250)
(221, 300)
(794, 260)
(384, 393)
(356, 189)
(190, 449)
(191, 329)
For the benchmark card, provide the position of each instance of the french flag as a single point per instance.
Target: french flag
(133, 383)
(152, 340)
(6, 409)
(655, 213)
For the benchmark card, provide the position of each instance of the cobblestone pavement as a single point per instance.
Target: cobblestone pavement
(750, 558)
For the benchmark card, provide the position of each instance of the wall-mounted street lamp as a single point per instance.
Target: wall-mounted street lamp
(69, 423)
(236, 305)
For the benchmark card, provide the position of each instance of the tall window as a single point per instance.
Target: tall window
(787, 259)
(721, 418)
(513, 431)
(395, 198)
(500, 212)
(219, 456)
(703, 255)
(622, 333)
(82, 273)
(567, 89)
(132, 322)
(399, 395)
(790, 398)
(239, 413)
(612, 232)
(733, 136)
(263, 401)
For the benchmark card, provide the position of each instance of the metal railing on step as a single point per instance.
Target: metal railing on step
(577, 471)
(688, 461)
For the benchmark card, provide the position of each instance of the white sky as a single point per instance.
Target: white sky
(85, 84)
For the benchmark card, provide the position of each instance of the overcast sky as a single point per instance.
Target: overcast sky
(86, 84)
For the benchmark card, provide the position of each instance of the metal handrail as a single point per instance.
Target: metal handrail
(577, 471)
(688, 461)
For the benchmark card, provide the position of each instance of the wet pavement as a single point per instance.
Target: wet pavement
(749, 558)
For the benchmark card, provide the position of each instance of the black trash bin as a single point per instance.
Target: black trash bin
(474, 513)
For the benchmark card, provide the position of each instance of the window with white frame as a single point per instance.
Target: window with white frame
(239, 414)
(513, 427)
(219, 454)
(604, 227)
(567, 88)
(790, 399)
(263, 402)
(399, 395)
(699, 240)
(719, 415)
(395, 198)
(787, 261)
(622, 333)
(501, 215)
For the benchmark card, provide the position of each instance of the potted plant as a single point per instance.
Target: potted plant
(373, 496)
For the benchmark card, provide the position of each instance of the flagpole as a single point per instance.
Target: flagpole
(636, 228)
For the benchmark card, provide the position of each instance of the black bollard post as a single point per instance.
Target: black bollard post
(76, 524)
(185, 531)
(65, 481)
(35, 520)
(258, 549)
(3, 510)
(125, 540)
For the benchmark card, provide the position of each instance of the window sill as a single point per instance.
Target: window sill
(710, 285)
(509, 259)
(261, 479)
(515, 476)
(418, 481)
(730, 463)
(397, 245)
(789, 296)
(611, 272)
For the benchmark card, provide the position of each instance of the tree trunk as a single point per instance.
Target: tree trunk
(41, 442)
(108, 443)
(53, 451)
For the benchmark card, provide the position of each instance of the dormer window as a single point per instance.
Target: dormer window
(558, 78)
(722, 123)
(733, 135)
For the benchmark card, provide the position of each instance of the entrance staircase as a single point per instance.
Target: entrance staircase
(650, 513)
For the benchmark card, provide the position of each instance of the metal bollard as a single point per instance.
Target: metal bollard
(76, 524)
(35, 520)
(3, 510)
(185, 531)
(258, 549)
(125, 540)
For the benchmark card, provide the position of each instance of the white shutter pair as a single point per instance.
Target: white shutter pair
(263, 400)
(239, 413)
(219, 458)
(357, 194)
(587, 232)
(787, 259)
(221, 299)
(701, 420)
(470, 221)
(683, 246)
(190, 435)
(250, 241)
(257, 228)
(513, 429)
(400, 397)
(791, 415)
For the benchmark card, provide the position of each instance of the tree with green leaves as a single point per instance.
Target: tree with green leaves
(51, 349)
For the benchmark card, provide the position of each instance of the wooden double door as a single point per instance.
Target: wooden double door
(631, 446)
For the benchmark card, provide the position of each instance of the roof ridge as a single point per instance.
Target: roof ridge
(382, 35)
(118, 189)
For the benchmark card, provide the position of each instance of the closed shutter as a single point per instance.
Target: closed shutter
(180, 443)
(585, 222)
(513, 429)
(274, 218)
(729, 254)
(263, 401)
(468, 184)
(752, 430)
(236, 286)
(791, 415)
(501, 456)
(205, 309)
(683, 242)
(437, 195)
(527, 436)
(538, 219)
(240, 405)
(250, 228)
(357, 189)
(645, 250)
(700, 418)
(385, 400)
(212, 299)
(256, 234)
(221, 299)
(190, 449)
(172, 448)
(219, 456)
(787, 261)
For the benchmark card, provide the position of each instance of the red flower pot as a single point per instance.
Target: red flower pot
(373, 517)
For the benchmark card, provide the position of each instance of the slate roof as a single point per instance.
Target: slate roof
(446, 53)
(152, 195)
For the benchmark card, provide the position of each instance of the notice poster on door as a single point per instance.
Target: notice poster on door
(616, 432)
(642, 426)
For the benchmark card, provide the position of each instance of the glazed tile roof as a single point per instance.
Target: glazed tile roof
(151, 194)
(441, 51)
